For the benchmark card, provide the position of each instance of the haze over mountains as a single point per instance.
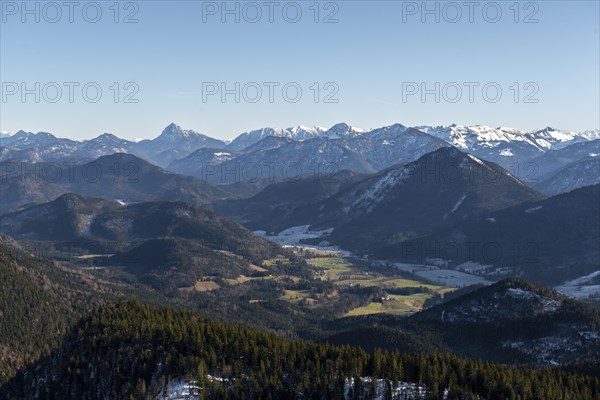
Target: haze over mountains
(118, 176)
(369, 191)
(441, 188)
(550, 241)
(361, 150)
(372, 238)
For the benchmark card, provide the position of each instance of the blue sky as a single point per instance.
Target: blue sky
(373, 63)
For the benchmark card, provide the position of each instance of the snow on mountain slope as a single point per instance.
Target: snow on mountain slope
(343, 130)
(371, 196)
(471, 137)
(511, 148)
(181, 389)
(175, 142)
(300, 132)
(590, 135)
(582, 287)
(380, 147)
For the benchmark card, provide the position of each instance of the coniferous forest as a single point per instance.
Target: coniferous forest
(129, 350)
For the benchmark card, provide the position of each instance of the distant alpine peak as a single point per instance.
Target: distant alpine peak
(107, 136)
(315, 130)
(590, 134)
(42, 138)
(546, 129)
(559, 134)
(341, 130)
(470, 137)
(175, 130)
(342, 126)
(390, 129)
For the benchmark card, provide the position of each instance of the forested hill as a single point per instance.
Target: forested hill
(129, 350)
(40, 300)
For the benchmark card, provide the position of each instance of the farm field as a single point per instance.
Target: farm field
(342, 272)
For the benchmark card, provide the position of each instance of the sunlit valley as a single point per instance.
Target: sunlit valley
(207, 246)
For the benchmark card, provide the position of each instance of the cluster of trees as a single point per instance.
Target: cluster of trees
(34, 312)
(129, 350)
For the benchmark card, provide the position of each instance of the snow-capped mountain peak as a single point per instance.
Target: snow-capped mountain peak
(108, 138)
(590, 134)
(554, 135)
(341, 130)
(297, 133)
(175, 130)
(481, 136)
(302, 132)
(391, 130)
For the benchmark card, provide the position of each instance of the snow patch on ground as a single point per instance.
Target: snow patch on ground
(181, 390)
(292, 237)
(472, 266)
(550, 349)
(458, 203)
(520, 293)
(377, 191)
(477, 160)
(549, 305)
(294, 234)
(451, 278)
(533, 209)
(400, 391)
(581, 288)
(434, 274)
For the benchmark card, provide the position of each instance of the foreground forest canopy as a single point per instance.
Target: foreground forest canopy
(129, 350)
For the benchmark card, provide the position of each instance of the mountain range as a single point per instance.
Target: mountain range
(150, 239)
(448, 208)
(420, 212)
(363, 150)
(118, 176)
(441, 188)
(353, 196)
(550, 240)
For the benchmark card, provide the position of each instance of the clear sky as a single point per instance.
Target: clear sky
(366, 63)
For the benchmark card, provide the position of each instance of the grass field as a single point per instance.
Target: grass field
(394, 306)
(333, 267)
(273, 261)
(202, 286)
(238, 280)
(295, 296)
(384, 282)
(373, 308)
(256, 268)
(343, 273)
